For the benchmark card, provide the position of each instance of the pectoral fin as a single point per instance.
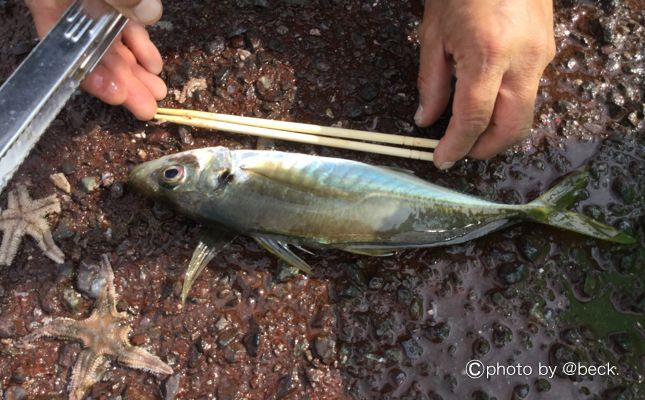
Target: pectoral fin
(212, 241)
(282, 251)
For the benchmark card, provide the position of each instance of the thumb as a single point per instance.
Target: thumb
(146, 12)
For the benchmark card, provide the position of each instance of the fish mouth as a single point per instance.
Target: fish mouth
(141, 178)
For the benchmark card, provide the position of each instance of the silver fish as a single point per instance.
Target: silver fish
(283, 199)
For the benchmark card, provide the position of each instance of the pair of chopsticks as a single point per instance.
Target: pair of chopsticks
(351, 139)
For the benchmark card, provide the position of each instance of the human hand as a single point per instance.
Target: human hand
(498, 50)
(127, 74)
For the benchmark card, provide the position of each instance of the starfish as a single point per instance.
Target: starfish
(104, 334)
(25, 215)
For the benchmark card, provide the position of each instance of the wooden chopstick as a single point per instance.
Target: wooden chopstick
(330, 131)
(293, 136)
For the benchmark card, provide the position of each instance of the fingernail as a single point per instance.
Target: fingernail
(148, 11)
(446, 165)
(418, 114)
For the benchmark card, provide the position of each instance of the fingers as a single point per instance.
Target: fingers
(511, 122)
(140, 101)
(102, 84)
(144, 11)
(473, 105)
(435, 72)
(136, 38)
(108, 80)
(120, 80)
(155, 85)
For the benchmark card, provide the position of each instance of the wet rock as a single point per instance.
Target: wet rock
(158, 136)
(368, 92)
(560, 354)
(171, 387)
(286, 272)
(71, 299)
(397, 377)
(481, 347)
(89, 280)
(412, 349)
(282, 30)
(89, 184)
(358, 40)
(265, 88)
(542, 385)
(7, 328)
(353, 109)
(215, 46)
(107, 179)
(63, 231)
(521, 391)
(324, 348)
(193, 357)
(511, 273)
(534, 248)
(502, 335)
(627, 190)
(437, 333)
(236, 42)
(481, 395)
(234, 353)
(68, 168)
(322, 65)
(60, 181)
(617, 393)
(14, 393)
(252, 41)
(608, 29)
(116, 190)
(221, 324)
(185, 135)
(621, 342)
(252, 343)
(18, 376)
(416, 308)
(226, 337)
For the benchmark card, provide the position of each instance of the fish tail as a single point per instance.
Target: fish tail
(549, 209)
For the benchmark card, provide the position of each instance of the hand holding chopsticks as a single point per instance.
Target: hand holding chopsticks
(302, 133)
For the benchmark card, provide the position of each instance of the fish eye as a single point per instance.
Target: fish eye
(173, 175)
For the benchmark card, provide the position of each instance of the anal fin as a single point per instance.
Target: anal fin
(282, 251)
(369, 251)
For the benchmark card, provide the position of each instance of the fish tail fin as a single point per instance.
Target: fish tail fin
(549, 209)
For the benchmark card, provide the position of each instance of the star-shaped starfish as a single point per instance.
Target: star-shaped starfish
(25, 215)
(104, 333)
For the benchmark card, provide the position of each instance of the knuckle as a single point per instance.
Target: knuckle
(474, 122)
(540, 51)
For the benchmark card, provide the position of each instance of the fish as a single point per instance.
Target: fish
(288, 200)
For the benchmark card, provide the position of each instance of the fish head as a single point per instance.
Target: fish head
(184, 179)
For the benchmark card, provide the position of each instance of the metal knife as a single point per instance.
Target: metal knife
(35, 93)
